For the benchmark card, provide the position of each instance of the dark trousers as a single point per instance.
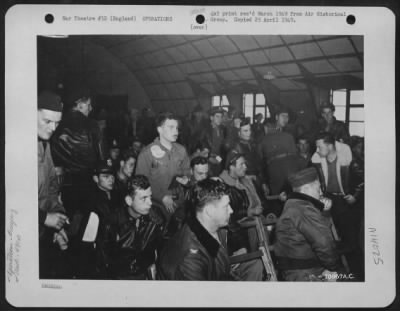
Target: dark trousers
(53, 262)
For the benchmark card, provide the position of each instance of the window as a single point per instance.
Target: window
(349, 108)
(254, 104)
(220, 101)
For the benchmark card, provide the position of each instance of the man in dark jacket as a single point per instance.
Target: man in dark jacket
(199, 251)
(92, 246)
(304, 248)
(76, 148)
(328, 123)
(139, 225)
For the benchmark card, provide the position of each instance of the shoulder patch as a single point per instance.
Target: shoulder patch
(193, 251)
(157, 152)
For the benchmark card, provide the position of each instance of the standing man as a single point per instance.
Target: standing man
(332, 160)
(215, 136)
(198, 252)
(123, 175)
(52, 218)
(328, 123)
(76, 148)
(163, 160)
(304, 245)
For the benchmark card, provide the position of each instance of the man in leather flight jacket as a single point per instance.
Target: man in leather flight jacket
(199, 251)
(139, 227)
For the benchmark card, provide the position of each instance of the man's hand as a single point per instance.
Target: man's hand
(350, 199)
(265, 190)
(283, 196)
(61, 239)
(327, 203)
(56, 220)
(169, 203)
(255, 211)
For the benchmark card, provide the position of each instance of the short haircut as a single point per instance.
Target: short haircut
(137, 182)
(302, 137)
(164, 116)
(232, 158)
(206, 191)
(199, 160)
(327, 138)
(259, 115)
(127, 154)
(244, 122)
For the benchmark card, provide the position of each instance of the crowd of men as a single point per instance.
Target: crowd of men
(163, 199)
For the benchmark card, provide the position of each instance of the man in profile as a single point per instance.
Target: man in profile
(199, 250)
(304, 248)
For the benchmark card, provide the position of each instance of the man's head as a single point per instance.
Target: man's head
(115, 150)
(211, 201)
(199, 167)
(80, 100)
(258, 118)
(216, 116)
(138, 198)
(325, 144)
(49, 114)
(303, 145)
(104, 176)
(327, 112)
(167, 127)
(282, 117)
(127, 163)
(306, 181)
(236, 164)
(245, 129)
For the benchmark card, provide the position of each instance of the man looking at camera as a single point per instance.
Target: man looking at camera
(52, 218)
(163, 160)
(304, 246)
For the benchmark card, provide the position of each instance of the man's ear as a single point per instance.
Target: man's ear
(96, 179)
(128, 200)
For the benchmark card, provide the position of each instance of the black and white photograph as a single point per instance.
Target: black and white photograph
(228, 158)
(138, 125)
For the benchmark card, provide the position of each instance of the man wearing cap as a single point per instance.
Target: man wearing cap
(75, 146)
(304, 247)
(163, 160)
(215, 135)
(91, 247)
(52, 218)
(328, 123)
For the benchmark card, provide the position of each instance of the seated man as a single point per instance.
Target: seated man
(304, 246)
(198, 251)
(123, 175)
(139, 226)
(91, 247)
(180, 187)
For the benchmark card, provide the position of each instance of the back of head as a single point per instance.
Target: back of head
(302, 178)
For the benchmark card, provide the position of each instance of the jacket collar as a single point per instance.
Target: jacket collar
(301, 196)
(210, 244)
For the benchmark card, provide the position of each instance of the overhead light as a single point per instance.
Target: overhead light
(269, 76)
